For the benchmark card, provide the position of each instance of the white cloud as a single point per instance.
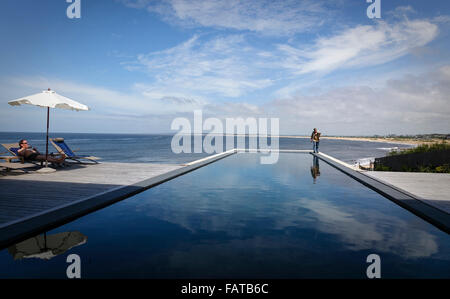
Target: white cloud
(228, 66)
(402, 11)
(108, 101)
(411, 104)
(135, 3)
(218, 72)
(263, 16)
(360, 46)
(221, 66)
(442, 19)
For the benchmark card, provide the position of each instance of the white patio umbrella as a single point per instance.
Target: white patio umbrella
(49, 99)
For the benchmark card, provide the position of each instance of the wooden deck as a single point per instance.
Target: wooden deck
(31, 203)
(432, 188)
(23, 195)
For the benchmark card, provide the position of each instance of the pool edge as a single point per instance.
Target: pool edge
(403, 198)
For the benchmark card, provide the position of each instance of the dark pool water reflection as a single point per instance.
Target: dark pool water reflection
(237, 218)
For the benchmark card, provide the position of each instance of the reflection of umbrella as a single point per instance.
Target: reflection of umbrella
(46, 247)
(49, 99)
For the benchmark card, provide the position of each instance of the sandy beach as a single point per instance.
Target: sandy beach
(397, 140)
(407, 141)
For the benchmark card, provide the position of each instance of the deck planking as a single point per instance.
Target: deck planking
(432, 188)
(32, 203)
(23, 194)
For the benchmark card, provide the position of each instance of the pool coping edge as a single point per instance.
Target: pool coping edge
(405, 199)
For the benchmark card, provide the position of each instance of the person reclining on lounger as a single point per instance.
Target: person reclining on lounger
(32, 154)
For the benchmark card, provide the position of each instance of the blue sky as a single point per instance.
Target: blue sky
(138, 64)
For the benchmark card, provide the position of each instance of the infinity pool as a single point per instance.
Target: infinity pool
(237, 218)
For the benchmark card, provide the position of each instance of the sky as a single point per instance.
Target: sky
(139, 64)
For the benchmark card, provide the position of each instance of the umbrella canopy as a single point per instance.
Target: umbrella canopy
(46, 247)
(50, 99)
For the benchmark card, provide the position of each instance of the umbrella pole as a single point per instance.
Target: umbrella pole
(46, 144)
(46, 169)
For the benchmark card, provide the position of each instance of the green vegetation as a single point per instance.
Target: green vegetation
(443, 169)
(439, 169)
(421, 137)
(418, 137)
(423, 149)
(379, 167)
(423, 158)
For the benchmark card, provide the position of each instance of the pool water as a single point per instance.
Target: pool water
(237, 218)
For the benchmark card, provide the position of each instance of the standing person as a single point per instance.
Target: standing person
(315, 138)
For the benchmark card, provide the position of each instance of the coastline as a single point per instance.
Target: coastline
(392, 140)
(405, 141)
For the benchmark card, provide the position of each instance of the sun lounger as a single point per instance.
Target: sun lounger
(9, 163)
(8, 166)
(13, 148)
(60, 145)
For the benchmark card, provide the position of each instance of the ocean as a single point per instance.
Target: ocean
(156, 148)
